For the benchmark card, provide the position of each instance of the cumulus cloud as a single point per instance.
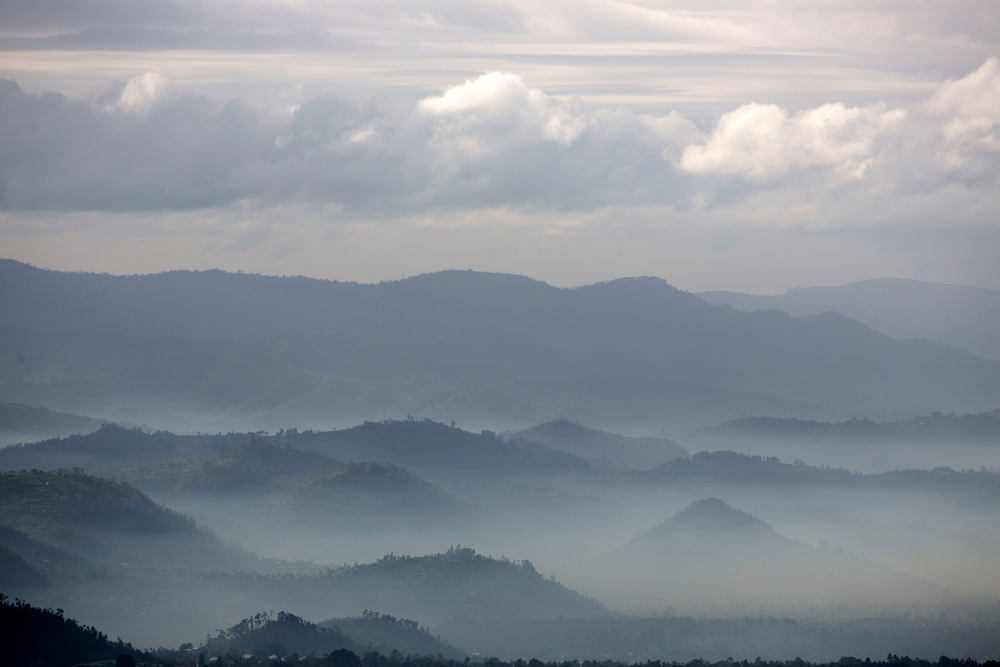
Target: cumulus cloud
(493, 142)
(971, 109)
(499, 110)
(139, 94)
(761, 140)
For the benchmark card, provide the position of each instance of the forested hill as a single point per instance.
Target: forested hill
(477, 329)
(425, 444)
(200, 461)
(109, 448)
(460, 582)
(32, 636)
(105, 520)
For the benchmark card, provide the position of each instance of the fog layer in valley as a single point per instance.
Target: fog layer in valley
(500, 466)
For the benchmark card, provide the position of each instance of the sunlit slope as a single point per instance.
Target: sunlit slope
(568, 436)
(485, 330)
(712, 558)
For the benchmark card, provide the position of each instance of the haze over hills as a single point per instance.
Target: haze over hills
(928, 441)
(712, 557)
(965, 317)
(595, 445)
(493, 348)
(19, 422)
(342, 416)
(107, 520)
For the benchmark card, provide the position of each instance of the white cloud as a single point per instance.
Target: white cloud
(674, 129)
(971, 107)
(140, 93)
(361, 136)
(761, 140)
(498, 110)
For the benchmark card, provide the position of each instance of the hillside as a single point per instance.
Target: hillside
(17, 419)
(710, 556)
(461, 582)
(254, 467)
(448, 345)
(981, 427)
(111, 447)
(744, 470)
(965, 317)
(428, 445)
(280, 635)
(105, 520)
(16, 576)
(371, 495)
(257, 460)
(385, 634)
(31, 635)
(51, 562)
(589, 443)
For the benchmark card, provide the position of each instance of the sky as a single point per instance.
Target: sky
(746, 145)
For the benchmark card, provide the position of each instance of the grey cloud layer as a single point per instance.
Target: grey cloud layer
(490, 142)
(746, 24)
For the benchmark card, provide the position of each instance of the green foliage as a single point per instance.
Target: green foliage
(107, 520)
(49, 504)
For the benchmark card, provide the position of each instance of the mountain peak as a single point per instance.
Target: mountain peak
(712, 514)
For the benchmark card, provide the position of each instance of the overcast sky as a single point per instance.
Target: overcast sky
(746, 145)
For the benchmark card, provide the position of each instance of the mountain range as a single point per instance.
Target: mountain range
(492, 349)
(966, 317)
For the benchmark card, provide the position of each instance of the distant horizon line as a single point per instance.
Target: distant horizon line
(477, 271)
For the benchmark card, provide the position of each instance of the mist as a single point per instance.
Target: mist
(479, 465)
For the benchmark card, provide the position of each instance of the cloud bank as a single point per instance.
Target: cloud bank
(490, 142)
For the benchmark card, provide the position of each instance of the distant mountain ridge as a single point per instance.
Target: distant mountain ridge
(184, 340)
(980, 427)
(965, 317)
(590, 443)
(25, 420)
